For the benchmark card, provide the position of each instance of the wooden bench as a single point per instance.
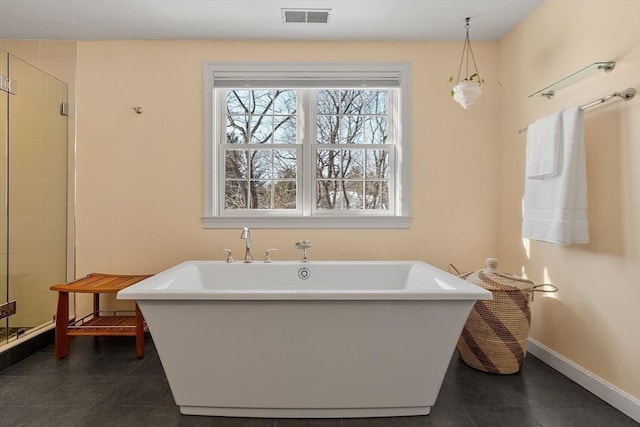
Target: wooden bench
(97, 323)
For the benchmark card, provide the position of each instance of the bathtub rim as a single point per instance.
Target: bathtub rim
(147, 289)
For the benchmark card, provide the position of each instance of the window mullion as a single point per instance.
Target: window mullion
(220, 152)
(394, 130)
(308, 142)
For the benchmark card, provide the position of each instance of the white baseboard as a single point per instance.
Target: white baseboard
(611, 394)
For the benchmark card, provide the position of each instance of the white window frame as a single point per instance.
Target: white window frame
(306, 216)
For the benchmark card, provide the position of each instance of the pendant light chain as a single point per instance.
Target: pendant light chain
(466, 52)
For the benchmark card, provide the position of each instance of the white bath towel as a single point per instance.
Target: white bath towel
(543, 147)
(555, 208)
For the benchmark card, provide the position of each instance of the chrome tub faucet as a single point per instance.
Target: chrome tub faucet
(246, 235)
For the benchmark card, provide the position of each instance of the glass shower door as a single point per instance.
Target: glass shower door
(37, 195)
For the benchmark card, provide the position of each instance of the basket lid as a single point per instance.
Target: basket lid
(490, 277)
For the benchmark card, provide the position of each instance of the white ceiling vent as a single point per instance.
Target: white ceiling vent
(305, 16)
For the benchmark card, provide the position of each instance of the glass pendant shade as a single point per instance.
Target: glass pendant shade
(466, 93)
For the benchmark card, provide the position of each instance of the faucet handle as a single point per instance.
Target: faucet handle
(229, 257)
(304, 244)
(267, 258)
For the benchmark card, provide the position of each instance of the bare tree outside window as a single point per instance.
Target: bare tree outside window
(352, 159)
(260, 173)
(350, 176)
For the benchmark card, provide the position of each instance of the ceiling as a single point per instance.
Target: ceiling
(258, 19)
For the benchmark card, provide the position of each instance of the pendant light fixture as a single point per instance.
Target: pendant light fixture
(466, 90)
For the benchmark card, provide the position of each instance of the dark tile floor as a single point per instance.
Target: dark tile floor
(102, 383)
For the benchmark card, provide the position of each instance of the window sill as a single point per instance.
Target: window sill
(355, 222)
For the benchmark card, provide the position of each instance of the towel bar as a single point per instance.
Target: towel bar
(626, 94)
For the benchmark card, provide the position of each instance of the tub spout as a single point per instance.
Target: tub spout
(246, 235)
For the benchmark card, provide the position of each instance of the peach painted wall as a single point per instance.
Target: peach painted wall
(140, 176)
(594, 320)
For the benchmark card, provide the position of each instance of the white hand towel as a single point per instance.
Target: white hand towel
(555, 208)
(543, 147)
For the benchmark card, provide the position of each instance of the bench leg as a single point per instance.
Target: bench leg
(139, 333)
(62, 323)
(96, 305)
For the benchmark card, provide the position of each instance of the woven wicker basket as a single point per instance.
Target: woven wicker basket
(494, 339)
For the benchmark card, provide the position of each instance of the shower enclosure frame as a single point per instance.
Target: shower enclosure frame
(34, 188)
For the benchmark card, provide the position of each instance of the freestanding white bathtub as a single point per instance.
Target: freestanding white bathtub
(322, 339)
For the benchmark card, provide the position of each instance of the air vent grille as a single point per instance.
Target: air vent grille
(306, 16)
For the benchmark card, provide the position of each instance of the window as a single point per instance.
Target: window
(306, 145)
